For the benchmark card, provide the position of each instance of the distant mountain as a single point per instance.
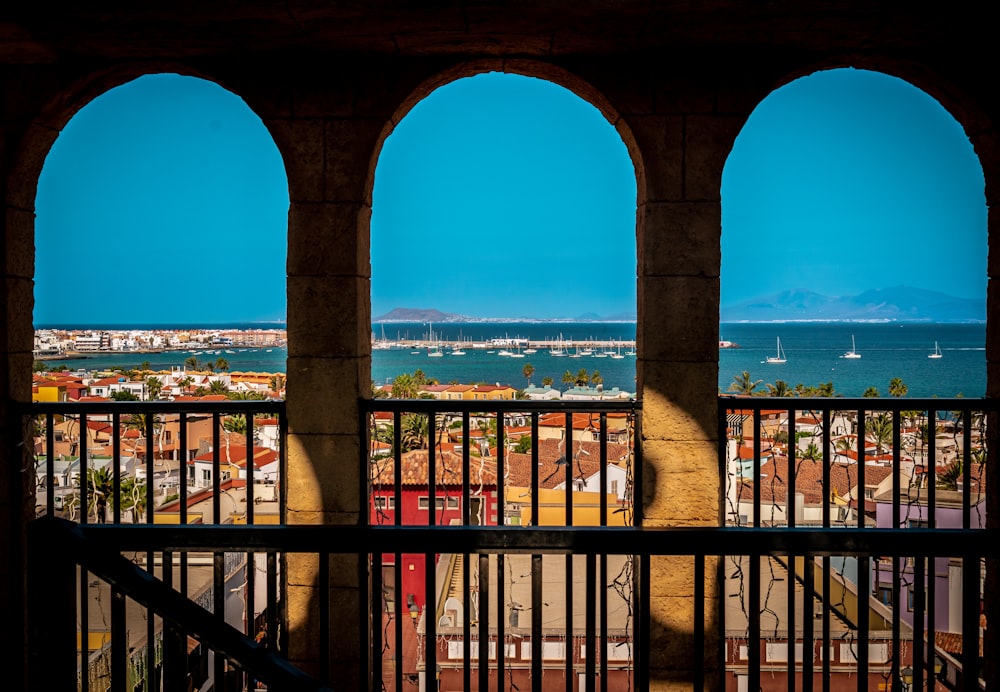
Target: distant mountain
(432, 315)
(893, 304)
(420, 315)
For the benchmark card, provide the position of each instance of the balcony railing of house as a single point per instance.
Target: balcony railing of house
(510, 546)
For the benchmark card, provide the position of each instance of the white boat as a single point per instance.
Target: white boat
(852, 353)
(457, 352)
(779, 357)
(937, 352)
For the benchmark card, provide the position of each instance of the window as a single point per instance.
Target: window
(424, 501)
(385, 502)
(885, 595)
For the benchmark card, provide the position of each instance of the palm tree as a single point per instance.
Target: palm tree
(742, 384)
(217, 387)
(582, 378)
(528, 370)
(897, 388)
(595, 378)
(404, 387)
(414, 432)
(277, 382)
(568, 379)
(154, 386)
(222, 364)
(811, 452)
(191, 362)
(133, 498)
(780, 388)
(547, 381)
(878, 429)
(870, 393)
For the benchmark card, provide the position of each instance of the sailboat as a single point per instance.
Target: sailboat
(937, 352)
(780, 357)
(852, 353)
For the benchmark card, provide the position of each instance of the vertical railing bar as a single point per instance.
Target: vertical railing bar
(182, 487)
(119, 642)
(50, 465)
(150, 555)
(570, 682)
(85, 629)
(808, 643)
(590, 623)
(919, 647)
(219, 610)
(536, 623)
(216, 471)
(699, 622)
(251, 471)
(534, 468)
(864, 567)
(324, 617)
(603, 633)
(501, 620)
(862, 457)
(272, 600)
(431, 475)
(466, 474)
(825, 644)
(967, 469)
(896, 619)
(397, 520)
(466, 585)
(116, 471)
(378, 616)
(569, 468)
(282, 463)
(84, 480)
(603, 471)
(971, 599)
(931, 470)
(790, 509)
(930, 567)
(501, 475)
(484, 621)
(643, 620)
(753, 648)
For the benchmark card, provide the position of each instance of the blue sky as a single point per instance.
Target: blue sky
(165, 201)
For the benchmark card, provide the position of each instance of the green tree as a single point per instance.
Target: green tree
(878, 429)
(235, 424)
(524, 444)
(221, 364)
(133, 498)
(39, 366)
(870, 393)
(144, 366)
(404, 387)
(123, 395)
(191, 362)
(897, 388)
(811, 452)
(217, 387)
(595, 378)
(742, 384)
(779, 388)
(154, 387)
(414, 432)
(528, 370)
(277, 382)
(568, 379)
(582, 378)
(547, 381)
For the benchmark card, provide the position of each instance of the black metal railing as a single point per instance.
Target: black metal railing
(535, 577)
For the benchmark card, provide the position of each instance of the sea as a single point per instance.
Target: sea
(813, 355)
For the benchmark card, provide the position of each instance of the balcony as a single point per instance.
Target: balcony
(509, 534)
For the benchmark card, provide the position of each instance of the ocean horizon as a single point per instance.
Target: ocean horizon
(813, 352)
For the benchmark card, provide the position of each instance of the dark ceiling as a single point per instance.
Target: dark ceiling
(32, 31)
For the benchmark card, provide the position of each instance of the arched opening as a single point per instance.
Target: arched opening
(504, 206)
(162, 204)
(854, 220)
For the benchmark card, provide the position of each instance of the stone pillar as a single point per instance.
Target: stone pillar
(679, 232)
(329, 364)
